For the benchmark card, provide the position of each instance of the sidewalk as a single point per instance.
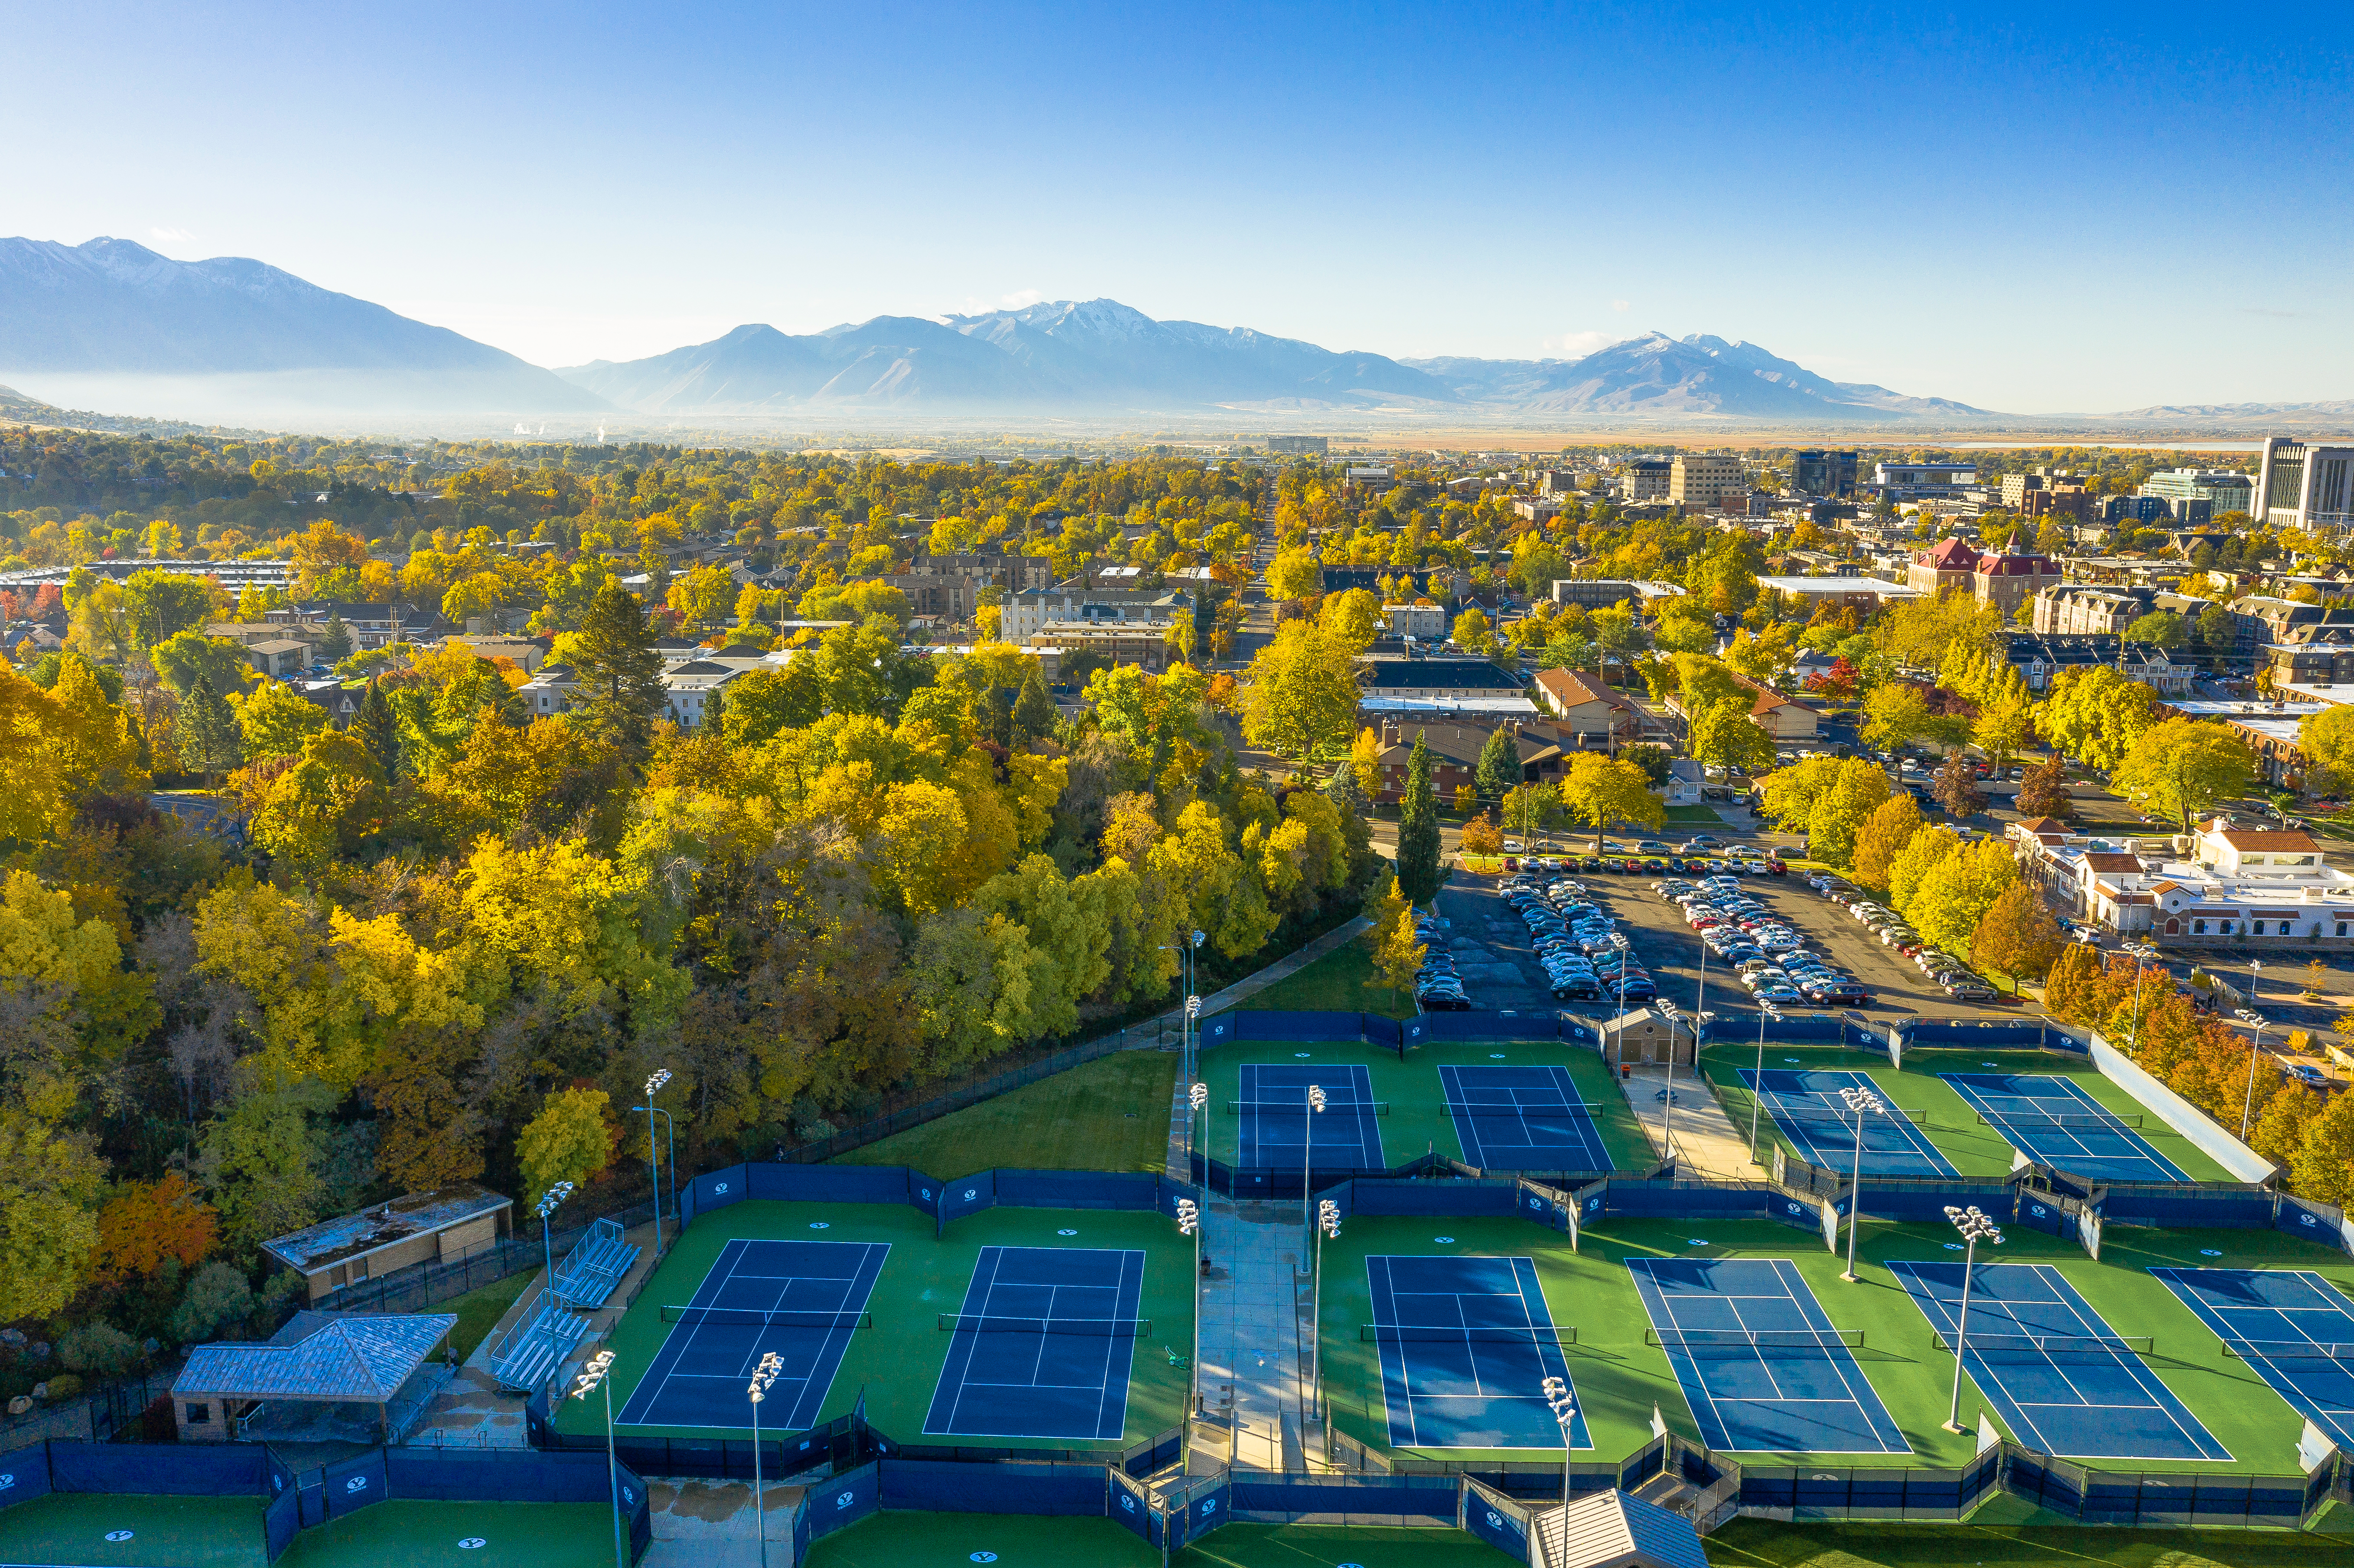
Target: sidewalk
(1250, 1331)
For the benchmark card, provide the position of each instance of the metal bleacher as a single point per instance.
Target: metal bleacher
(585, 1281)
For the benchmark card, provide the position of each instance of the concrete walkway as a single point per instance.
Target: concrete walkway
(1251, 1337)
(1706, 1142)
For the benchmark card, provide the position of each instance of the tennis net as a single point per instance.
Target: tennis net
(2091, 1121)
(995, 1323)
(753, 1318)
(1461, 1334)
(2050, 1344)
(1521, 1107)
(1816, 1113)
(2277, 1350)
(1300, 1107)
(1753, 1338)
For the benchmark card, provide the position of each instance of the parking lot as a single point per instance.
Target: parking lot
(1499, 969)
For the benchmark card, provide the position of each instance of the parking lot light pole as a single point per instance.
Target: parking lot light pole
(1862, 1103)
(1565, 1411)
(1973, 1225)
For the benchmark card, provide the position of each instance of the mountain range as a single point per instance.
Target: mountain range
(112, 323)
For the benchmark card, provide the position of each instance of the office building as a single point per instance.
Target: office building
(1644, 479)
(1703, 479)
(2307, 486)
(1299, 446)
(1823, 473)
(2197, 495)
(1912, 475)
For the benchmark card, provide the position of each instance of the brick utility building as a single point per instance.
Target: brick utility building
(440, 1226)
(2009, 581)
(1947, 564)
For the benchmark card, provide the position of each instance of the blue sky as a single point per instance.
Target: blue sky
(2058, 207)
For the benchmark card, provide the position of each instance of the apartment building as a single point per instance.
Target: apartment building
(1028, 612)
(1703, 479)
(2307, 486)
(1644, 479)
(2195, 495)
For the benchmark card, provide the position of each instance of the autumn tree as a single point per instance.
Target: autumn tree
(1599, 789)
(146, 1224)
(2043, 792)
(1957, 789)
(1481, 836)
(1299, 695)
(2182, 766)
(571, 1139)
(1890, 826)
(1397, 953)
(2017, 936)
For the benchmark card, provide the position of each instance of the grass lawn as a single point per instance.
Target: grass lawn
(408, 1531)
(1343, 980)
(1746, 1543)
(1694, 814)
(1419, 1120)
(185, 1533)
(1973, 1148)
(1110, 1113)
(479, 1311)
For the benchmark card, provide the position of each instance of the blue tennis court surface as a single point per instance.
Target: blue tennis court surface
(1042, 1346)
(1794, 1388)
(2061, 1377)
(698, 1377)
(1522, 1119)
(2294, 1328)
(1467, 1344)
(1807, 1108)
(1276, 1123)
(2054, 1123)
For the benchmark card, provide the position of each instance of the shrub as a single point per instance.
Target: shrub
(98, 1348)
(217, 1295)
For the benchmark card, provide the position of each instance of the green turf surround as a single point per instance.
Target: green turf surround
(1952, 1122)
(1343, 980)
(951, 1540)
(1620, 1379)
(399, 1533)
(480, 1311)
(1110, 1113)
(898, 1360)
(1418, 1121)
(168, 1532)
(1760, 1543)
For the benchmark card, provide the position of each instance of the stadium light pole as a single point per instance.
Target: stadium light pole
(1862, 1103)
(1189, 1223)
(1328, 1223)
(1197, 1100)
(1974, 1225)
(762, 1376)
(2139, 952)
(1558, 1400)
(1757, 1088)
(549, 1202)
(2248, 1101)
(1306, 1160)
(653, 1154)
(594, 1376)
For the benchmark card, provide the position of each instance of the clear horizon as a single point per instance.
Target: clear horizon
(2031, 221)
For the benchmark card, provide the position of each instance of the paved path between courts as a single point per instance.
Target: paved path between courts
(1707, 1143)
(1251, 1331)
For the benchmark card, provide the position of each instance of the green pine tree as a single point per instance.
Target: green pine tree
(214, 744)
(335, 641)
(1498, 771)
(1418, 863)
(1033, 711)
(620, 673)
(377, 729)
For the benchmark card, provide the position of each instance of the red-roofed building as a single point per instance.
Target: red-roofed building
(1948, 563)
(2007, 581)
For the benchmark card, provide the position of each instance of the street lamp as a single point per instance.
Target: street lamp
(593, 1375)
(653, 1086)
(763, 1376)
(1564, 1406)
(1974, 1225)
(1189, 1223)
(1861, 1103)
(1308, 1151)
(1328, 1223)
(549, 1202)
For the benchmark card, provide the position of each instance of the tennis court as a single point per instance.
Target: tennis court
(1806, 1105)
(1466, 1345)
(1522, 1119)
(1760, 1362)
(2293, 1326)
(800, 1300)
(1043, 1345)
(1276, 1123)
(2064, 1380)
(2052, 1121)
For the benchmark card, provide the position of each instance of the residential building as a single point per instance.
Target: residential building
(1913, 475)
(1585, 706)
(1442, 679)
(1144, 643)
(1028, 611)
(2042, 657)
(2008, 582)
(1423, 623)
(1863, 592)
(1341, 580)
(1644, 479)
(2306, 486)
(549, 691)
(1950, 562)
(1778, 716)
(370, 625)
(2078, 608)
(1545, 751)
(1703, 479)
(1687, 783)
(2268, 729)
(693, 689)
(1818, 472)
(1006, 571)
(947, 595)
(1299, 446)
(280, 658)
(1594, 593)
(527, 653)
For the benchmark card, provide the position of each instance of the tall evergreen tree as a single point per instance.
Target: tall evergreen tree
(1499, 769)
(1033, 710)
(377, 729)
(335, 641)
(214, 744)
(620, 673)
(1417, 863)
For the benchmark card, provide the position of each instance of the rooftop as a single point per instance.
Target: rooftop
(320, 1355)
(333, 1241)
